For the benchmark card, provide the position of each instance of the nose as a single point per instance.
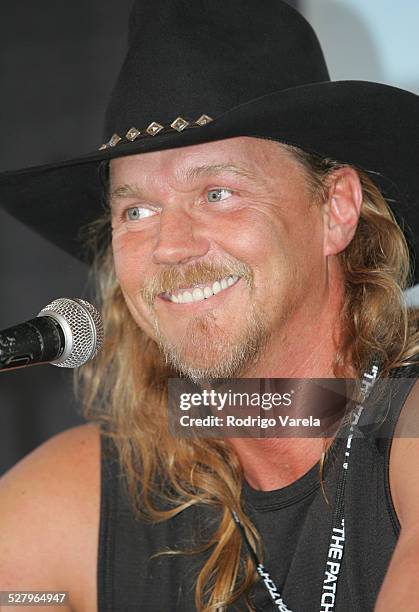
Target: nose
(179, 239)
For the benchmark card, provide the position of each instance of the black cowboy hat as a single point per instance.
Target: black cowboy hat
(208, 70)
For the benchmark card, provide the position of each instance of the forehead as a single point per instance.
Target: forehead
(252, 155)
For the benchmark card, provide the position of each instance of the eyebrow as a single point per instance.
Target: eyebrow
(191, 174)
(124, 191)
(205, 170)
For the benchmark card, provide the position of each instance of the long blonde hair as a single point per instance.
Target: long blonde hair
(125, 390)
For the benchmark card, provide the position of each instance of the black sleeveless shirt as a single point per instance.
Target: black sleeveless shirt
(294, 522)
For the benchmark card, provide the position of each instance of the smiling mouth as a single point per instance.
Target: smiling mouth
(197, 293)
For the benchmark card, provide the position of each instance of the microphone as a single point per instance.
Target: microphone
(66, 333)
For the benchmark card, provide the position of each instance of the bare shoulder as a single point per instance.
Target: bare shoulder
(404, 463)
(49, 517)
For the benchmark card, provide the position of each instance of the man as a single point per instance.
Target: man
(246, 242)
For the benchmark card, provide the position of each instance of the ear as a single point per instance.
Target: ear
(342, 209)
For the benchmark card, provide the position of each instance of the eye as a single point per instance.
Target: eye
(216, 195)
(138, 212)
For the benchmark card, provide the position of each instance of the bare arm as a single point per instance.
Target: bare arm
(400, 589)
(49, 513)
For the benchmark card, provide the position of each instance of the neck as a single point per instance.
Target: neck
(306, 349)
(274, 463)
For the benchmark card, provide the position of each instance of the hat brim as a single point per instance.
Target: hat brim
(372, 126)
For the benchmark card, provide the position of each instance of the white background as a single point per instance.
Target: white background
(372, 40)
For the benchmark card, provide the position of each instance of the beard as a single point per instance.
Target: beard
(207, 351)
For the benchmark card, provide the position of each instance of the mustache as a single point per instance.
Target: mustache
(171, 278)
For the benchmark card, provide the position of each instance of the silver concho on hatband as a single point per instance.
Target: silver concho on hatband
(179, 124)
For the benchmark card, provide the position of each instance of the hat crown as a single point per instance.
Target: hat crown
(206, 57)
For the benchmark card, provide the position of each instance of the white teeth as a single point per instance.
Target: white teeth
(198, 294)
(216, 288)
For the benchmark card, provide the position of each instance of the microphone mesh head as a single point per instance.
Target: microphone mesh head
(85, 326)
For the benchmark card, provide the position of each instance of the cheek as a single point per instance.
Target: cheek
(130, 268)
(129, 259)
(289, 249)
(248, 234)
